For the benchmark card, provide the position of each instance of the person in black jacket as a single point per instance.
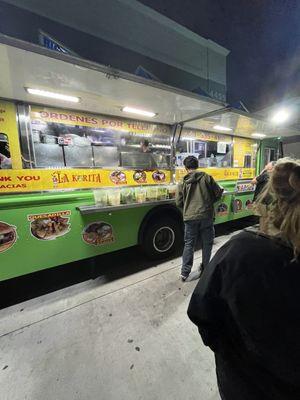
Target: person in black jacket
(260, 207)
(247, 303)
(261, 180)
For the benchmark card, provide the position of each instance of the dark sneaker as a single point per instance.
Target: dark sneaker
(183, 278)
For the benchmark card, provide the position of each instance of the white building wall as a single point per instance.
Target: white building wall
(292, 149)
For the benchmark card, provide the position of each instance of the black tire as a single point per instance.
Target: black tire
(161, 238)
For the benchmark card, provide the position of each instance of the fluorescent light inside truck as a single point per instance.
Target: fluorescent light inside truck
(258, 135)
(137, 111)
(53, 95)
(222, 128)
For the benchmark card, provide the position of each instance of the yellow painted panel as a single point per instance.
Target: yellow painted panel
(221, 174)
(8, 126)
(206, 136)
(241, 148)
(38, 180)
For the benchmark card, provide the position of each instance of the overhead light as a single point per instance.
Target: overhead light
(139, 112)
(188, 138)
(222, 128)
(53, 95)
(258, 135)
(280, 116)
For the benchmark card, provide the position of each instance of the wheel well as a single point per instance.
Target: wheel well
(155, 214)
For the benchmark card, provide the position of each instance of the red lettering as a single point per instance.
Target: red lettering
(72, 118)
(63, 116)
(111, 123)
(44, 114)
(79, 118)
(12, 186)
(5, 178)
(88, 120)
(54, 115)
(28, 178)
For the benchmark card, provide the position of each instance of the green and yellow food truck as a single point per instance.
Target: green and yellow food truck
(78, 178)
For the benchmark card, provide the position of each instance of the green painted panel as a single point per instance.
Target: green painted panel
(223, 210)
(245, 209)
(29, 254)
(265, 143)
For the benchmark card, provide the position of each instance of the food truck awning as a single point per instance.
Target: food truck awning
(239, 123)
(105, 90)
(101, 89)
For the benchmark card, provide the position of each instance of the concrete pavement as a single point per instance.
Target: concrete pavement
(125, 339)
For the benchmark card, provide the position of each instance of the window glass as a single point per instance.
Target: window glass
(219, 154)
(5, 160)
(209, 153)
(270, 154)
(80, 146)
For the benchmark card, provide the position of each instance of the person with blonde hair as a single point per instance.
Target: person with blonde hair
(247, 303)
(261, 182)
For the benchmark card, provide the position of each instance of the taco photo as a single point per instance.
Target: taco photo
(140, 176)
(249, 204)
(238, 205)
(98, 233)
(49, 226)
(222, 209)
(8, 236)
(159, 176)
(118, 177)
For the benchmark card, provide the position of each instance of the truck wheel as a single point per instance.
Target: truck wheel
(161, 238)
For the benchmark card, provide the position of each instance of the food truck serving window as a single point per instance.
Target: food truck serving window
(211, 150)
(74, 140)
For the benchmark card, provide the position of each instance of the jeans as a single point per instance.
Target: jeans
(203, 228)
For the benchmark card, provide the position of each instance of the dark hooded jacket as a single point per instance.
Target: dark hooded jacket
(247, 309)
(196, 196)
(262, 181)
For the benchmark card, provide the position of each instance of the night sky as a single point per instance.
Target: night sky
(262, 35)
